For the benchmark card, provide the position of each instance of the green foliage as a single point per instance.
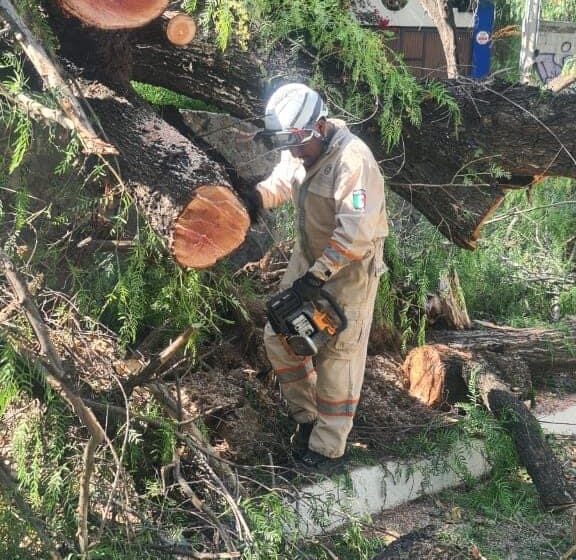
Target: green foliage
(269, 519)
(374, 75)
(511, 11)
(32, 14)
(13, 532)
(145, 289)
(159, 96)
(9, 379)
(507, 491)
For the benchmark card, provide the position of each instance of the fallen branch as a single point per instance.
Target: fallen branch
(84, 497)
(145, 372)
(55, 374)
(199, 504)
(51, 76)
(36, 110)
(162, 395)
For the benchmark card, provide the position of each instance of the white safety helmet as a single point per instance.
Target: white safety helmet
(293, 106)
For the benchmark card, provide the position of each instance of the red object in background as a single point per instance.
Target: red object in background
(381, 22)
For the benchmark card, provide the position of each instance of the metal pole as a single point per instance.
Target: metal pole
(529, 34)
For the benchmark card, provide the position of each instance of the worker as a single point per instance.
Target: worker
(337, 189)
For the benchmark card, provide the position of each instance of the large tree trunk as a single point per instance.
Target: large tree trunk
(519, 130)
(185, 196)
(546, 352)
(434, 370)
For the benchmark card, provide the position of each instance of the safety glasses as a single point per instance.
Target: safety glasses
(286, 139)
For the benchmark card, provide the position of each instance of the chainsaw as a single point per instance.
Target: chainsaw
(306, 325)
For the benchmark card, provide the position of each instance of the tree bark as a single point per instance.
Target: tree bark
(440, 12)
(545, 351)
(436, 367)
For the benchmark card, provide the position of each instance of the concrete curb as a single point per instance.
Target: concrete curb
(365, 490)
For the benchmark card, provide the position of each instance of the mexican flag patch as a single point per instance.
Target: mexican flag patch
(359, 200)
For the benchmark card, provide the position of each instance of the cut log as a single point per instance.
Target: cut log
(180, 28)
(433, 375)
(431, 369)
(114, 14)
(185, 197)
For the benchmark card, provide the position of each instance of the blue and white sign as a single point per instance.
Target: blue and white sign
(482, 39)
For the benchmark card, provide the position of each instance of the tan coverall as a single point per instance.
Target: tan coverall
(341, 224)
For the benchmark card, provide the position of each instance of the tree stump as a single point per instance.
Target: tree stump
(433, 370)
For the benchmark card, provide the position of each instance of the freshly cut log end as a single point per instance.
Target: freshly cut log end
(433, 375)
(115, 14)
(181, 30)
(211, 226)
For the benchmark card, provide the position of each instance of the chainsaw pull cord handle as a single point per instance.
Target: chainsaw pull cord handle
(338, 310)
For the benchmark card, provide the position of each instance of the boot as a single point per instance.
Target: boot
(300, 438)
(316, 463)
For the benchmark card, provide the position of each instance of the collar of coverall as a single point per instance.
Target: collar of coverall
(337, 129)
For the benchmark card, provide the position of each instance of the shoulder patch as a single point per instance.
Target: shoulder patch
(359, 199)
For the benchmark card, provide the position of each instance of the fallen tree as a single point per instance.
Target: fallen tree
(496, 364)
(509, 136)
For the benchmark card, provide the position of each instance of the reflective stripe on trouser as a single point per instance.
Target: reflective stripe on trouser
(330, 393)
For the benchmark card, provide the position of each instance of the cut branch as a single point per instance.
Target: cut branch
(180, 28)
(54, 81)
(145, 373)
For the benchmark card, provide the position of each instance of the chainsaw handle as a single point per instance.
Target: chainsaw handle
(338, 310)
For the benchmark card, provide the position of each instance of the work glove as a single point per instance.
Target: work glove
(308, 287)
(253, 202)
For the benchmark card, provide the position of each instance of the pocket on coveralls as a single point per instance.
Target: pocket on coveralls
(349, 338)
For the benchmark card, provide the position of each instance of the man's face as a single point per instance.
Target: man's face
(310, 151)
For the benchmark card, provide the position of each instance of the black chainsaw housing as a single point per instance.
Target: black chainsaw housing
(299, 320)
